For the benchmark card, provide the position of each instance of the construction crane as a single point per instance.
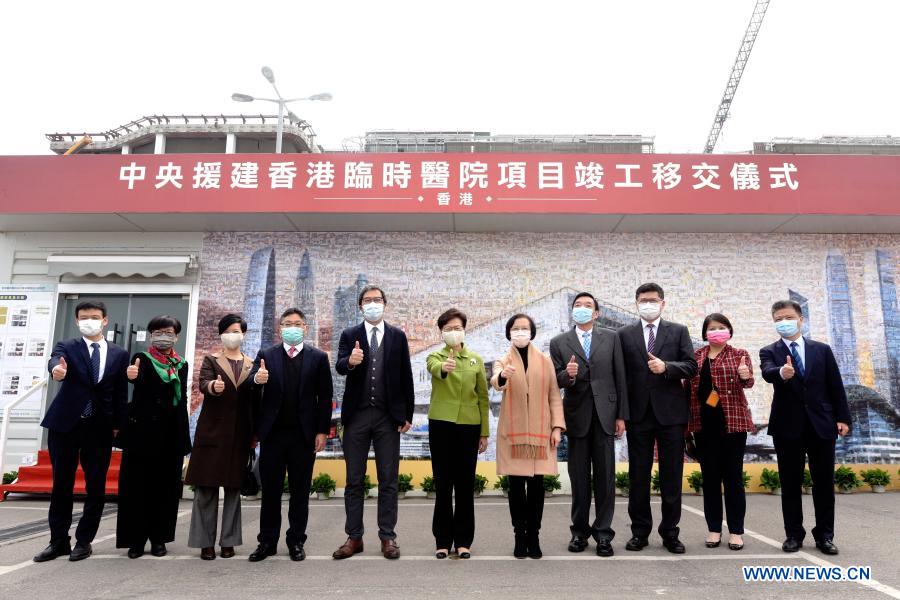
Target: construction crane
(743, 55)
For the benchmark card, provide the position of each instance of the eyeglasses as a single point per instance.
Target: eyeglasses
(453, 328)
(378, 300)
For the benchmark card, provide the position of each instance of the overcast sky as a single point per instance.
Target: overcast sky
(819, 67)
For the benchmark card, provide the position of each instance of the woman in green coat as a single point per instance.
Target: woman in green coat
(458, 431)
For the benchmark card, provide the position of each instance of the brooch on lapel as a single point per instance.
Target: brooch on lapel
(472, 362)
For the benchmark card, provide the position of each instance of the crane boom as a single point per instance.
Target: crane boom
(743, 55)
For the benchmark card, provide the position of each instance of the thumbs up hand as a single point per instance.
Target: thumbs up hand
(262, 375)
(449, 365)
(572, 367)
(657, 366)
(743, 370)
(218, 385)
(508, 371)
(787, 371)
(132, 371)
(59, 371)
(356, 355)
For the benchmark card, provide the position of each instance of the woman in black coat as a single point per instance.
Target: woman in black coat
(155, 441)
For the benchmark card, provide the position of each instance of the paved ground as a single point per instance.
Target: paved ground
(867, 532)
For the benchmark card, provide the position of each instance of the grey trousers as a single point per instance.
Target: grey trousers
(205, 517)
(371, 426)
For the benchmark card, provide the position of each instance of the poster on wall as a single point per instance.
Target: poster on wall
(25, 323)
(845, 284)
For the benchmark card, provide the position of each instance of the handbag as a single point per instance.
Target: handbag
(250, 485)
(690, 447)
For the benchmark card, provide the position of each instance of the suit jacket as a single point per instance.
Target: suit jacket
(663, 392)
(725, 380)
(314, 398)
(398, 378)
(110, 395)
(818, 395)
(600, 385)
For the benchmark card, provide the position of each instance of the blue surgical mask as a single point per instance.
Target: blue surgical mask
(787, 328)
(292, 336)
(582, 314)
(373, 311)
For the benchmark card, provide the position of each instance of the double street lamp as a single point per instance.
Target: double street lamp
(281, 102)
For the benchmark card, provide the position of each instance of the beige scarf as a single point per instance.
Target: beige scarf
(526, 405)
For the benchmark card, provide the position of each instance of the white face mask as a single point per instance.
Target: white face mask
(453, 338)
(90, 327)
(649, 310)
(233, 340)
(520, 339)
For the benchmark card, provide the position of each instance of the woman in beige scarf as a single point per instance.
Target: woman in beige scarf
(531, 423)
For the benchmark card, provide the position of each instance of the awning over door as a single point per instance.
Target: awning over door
(102, 265)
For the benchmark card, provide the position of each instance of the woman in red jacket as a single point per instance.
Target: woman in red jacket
(720, 420)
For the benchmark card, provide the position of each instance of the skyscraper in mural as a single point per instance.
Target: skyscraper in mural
(346, 314)
(887, 284)
(840, 316)
(259, 301)
(803, 301)
(305, 297)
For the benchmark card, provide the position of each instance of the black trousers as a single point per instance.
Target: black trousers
(285, 449)
(722, 465)
(91, 444)
(150, 489)
(792, 453)
(454, 454)
(592, 467)
(669, 440)
(526, 504)
(371, 426)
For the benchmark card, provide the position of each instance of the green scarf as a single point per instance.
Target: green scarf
(168, 370)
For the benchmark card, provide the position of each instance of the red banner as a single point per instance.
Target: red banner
(453, 183)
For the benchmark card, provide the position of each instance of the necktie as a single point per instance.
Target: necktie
(651, 339)
(586, 343)
(95, 376)
(292, 351)
(798, 362)
(373, 343)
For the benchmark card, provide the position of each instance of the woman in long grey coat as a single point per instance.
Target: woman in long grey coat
(222, 442)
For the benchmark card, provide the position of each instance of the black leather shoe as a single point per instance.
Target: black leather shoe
(297, 552)
(262, 552)
(636, 544)
(54, 550)
(534, 547)
(577, 544)
(827, 547)
(791, 545)
(157, 549)
(208, 553)
(604, 548)
(135, 552)
(674, 545)
(520, 550)
(80, 552)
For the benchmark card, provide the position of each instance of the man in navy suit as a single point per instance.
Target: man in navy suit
(292, 421)
(82, 421)
(809, 409)
(378, 406)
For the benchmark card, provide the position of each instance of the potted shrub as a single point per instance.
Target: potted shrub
(878, 479)
(502, 484)
(404, 484)
(695, 482)
(846, 479)
(654, 482)
(623, 484)
(286, 490)
(367, 485)
(428, 486)
(746, 477)
(770, 480)
(807, 482)
(551, 484)
(323, 485)
(9, 477)
(480, 483)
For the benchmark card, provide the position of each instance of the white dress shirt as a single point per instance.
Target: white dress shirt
(647, 331)
(103, 348)
(287, 348)
(801, 350)
(379, 329)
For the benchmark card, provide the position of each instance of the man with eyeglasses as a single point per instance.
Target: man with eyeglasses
(292, 421)
(377, 407)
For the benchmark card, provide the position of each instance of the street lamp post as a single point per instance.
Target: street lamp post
(281, 102)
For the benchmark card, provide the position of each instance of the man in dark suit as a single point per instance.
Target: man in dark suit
(658, 355)
(86, 414)
(377, 407)
(809, 409)
(292, 421)
(591, 371)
